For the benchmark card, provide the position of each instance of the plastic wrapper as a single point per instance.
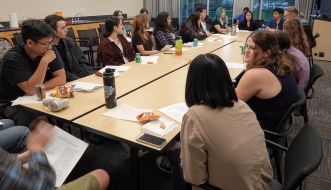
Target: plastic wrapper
(147, 117)
(66, 91)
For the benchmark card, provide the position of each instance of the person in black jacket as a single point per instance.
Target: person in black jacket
(190, 28)
(75, 63)
(248, 23)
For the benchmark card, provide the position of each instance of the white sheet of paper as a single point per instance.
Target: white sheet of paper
(1, 123)
(153, 127)
(117, 68)
(228, 36)
(86, 86)
(243, 31)
(235, 65)
(211, 39)
(175, 111)
(125, 112)
(149, 59)
(128, 39)
(63, 151)
(167, 47)
(173, 49)
(30, 99)
(217, 34)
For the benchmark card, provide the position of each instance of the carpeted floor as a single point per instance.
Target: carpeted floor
(112, 157)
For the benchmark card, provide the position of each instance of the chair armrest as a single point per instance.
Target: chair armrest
(276, 145)
(288, 130)
(312, 93)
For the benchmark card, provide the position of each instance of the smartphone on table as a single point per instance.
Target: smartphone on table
(151, 140)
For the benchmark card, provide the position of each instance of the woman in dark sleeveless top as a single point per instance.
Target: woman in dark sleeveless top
(267, 86)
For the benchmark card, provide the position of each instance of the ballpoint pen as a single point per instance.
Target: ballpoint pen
(168, 53)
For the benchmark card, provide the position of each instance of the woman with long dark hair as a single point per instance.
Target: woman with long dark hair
(203, 15)
(190, 28)
(163, 31)
(114, 49)
(219, 134)
(248, 23)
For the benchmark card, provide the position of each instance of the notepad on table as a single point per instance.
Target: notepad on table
(175, 111)
(166, 48)
(149, 59)
(158, 127)
(86, 86)
(125, 112)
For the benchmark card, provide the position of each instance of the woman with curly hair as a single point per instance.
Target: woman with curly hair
(220, 22)
(298, 37)
(163, 31)
(142, 41)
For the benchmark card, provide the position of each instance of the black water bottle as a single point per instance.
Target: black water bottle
(109, 87)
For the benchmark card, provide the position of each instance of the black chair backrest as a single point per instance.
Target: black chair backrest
(303, 157)
(300, 102)
(125, 15)
(259, 22)
(90, 34)
(153, 19)
(175, 22)
(309, 33)
(151, 24)
(70, 33)
(102, 28)
(18, 38)
(315, 73)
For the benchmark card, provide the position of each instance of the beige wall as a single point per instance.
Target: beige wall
(40, 8)
(149, 7)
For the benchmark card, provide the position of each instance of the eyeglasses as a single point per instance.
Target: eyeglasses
(45, 45)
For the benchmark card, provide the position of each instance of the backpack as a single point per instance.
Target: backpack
(5, 45)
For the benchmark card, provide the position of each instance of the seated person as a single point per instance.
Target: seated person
(298, 37)
(163, 31)
(277, 24)
(26, 65)
(268, 86)
(119, 14)
(292, 12)
(241, 17)
(220, 22)
(248, 23)
(143, 11)
(220, 134)
(142, 41)
(12, 138)
(296, 57)
(190, 28)
(114, 49)
(75, 63)
(40, 174)
(203, 15)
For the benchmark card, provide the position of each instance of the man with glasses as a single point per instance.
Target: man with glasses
(26, 65)
(292, 12)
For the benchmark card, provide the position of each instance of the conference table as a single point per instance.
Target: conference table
(150, 86)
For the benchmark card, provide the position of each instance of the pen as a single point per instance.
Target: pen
(168, 53)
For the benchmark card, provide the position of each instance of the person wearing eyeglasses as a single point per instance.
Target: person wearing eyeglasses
(34, 62)
(75, 63)
(292, 12)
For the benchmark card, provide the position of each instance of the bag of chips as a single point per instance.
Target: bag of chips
(63, 91)
(147, 117)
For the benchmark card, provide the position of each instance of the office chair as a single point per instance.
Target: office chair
(260, 22)
(93, 37)
(311, 41)
(17, 39)
(85, 50)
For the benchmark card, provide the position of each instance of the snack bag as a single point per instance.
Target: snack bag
(98, 73)
(66, 91)
(147, 116)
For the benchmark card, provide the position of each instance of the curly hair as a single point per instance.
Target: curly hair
(139, 27)
(266, 40)
(294, 29)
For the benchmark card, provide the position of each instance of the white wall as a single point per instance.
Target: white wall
(239, 5)
(149, 7)
(40, 8)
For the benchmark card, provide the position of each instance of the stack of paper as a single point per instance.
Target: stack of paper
(125, 112)
(30, 99)
(235, 65)
(173, 49)
(175, 111)
(117, 68)
(154, 127)
(149, 59)
(86, 86)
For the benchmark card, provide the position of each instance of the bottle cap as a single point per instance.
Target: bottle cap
(109, 72)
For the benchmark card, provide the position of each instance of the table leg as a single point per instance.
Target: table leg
(134, 168)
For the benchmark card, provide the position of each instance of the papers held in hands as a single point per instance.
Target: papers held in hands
(149, 59)
(175, 111)
(86, 86)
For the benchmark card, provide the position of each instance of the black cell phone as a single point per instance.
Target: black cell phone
(151, 140)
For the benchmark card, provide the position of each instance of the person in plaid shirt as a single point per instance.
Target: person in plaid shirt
(163, 31)
(40, 174)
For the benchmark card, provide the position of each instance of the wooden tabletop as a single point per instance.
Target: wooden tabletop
(164, 92)
(137, 76)
(231, 52)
